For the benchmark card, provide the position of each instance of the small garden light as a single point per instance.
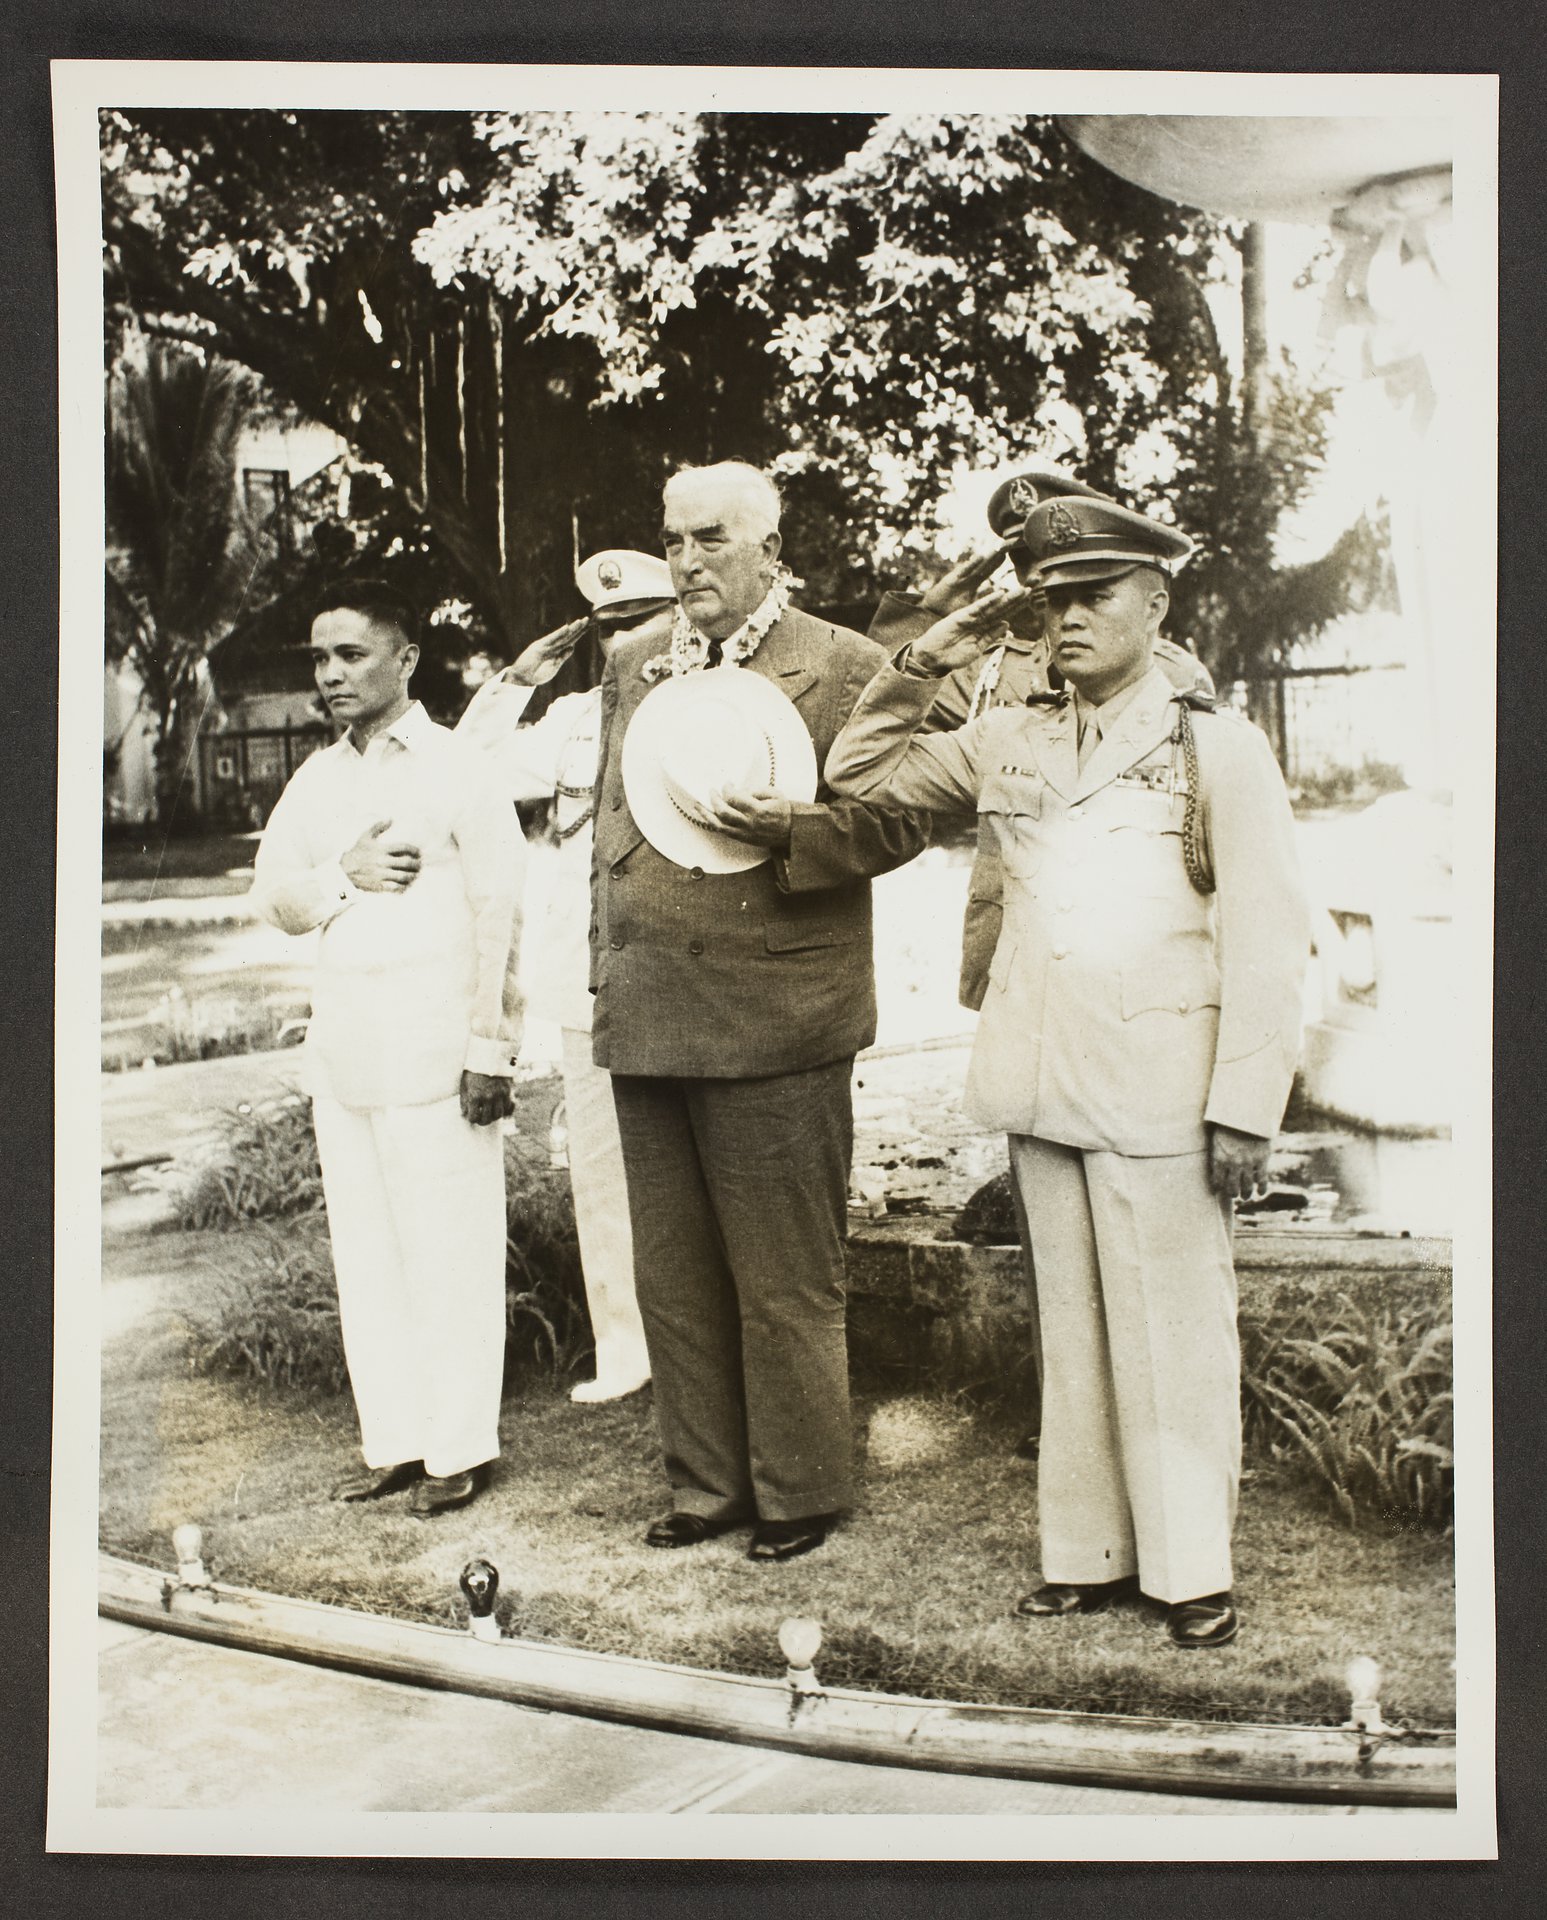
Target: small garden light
(480, 1582)
(800, 1641)
(188, 1545)
(1363, 1677)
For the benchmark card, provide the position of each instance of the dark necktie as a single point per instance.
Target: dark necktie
(713, 659)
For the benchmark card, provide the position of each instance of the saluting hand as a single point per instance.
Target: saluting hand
(954, 590)
(378, 865)
(535, 665)
(963, 636)
(1238, 1162)
(759, 815)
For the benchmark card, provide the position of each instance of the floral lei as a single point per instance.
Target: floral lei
(689, 649)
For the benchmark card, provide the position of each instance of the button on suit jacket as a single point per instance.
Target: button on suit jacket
(742, 975)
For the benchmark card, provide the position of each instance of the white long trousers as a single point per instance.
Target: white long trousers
(601, 1214)
(416, 1213)
(1140, 1459)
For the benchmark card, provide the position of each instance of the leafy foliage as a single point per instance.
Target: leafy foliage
(182, 548)
(1364, 1408)
(545, 1312)
(264, 1167)
(278, 1320)
(527, 320)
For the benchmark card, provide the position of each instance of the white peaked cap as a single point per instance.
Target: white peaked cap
(619, 574)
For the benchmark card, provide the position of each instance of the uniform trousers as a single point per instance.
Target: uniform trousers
(1140, 1457)
(738, 1192)
(601, 1214)
(416, 1214)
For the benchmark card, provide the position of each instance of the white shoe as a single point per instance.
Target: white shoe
(607, 1387)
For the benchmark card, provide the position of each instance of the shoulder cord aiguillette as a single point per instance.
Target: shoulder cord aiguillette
(1192, 851)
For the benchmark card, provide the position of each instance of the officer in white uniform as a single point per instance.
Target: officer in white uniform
(631, 596)
(1137, 1040)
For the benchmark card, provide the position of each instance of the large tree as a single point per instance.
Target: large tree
(528, 320)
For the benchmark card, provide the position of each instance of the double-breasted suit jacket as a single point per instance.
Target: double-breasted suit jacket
(733, 976)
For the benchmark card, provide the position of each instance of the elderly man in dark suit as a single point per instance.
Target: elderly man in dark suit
(729, 1008)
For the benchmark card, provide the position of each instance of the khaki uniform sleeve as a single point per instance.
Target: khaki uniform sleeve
(877, 756)
(1263, 925)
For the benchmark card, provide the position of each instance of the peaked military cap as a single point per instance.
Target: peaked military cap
(1080, 538)
(1026, 489)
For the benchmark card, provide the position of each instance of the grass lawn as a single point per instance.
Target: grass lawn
(914, 1592)
(145, 853)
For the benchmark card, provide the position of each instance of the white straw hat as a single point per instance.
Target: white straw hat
(727, 727)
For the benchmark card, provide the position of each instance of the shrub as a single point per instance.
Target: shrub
(263, 1167)
(274, 1318)
(1363, 1408)
(548, 1327)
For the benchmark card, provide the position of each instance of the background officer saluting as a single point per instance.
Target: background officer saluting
(1137, 1041)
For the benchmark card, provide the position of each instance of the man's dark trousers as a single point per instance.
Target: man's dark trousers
(738, 1193)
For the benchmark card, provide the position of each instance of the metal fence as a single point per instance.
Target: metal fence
(1323, 721)
(245, 771)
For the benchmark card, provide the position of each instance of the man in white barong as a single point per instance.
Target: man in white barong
(631, 597)
(395, 846)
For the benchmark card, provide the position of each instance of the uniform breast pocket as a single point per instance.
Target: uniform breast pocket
(1179, 984)
(1144, 842)
(1011, 804)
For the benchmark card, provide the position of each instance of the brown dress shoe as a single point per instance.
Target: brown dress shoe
(784, 1539)
(371, 1483)
(438, 1493)
(1060, 1597)
(1209, 1622)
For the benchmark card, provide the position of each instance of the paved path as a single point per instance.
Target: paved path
(168, 1109)
(183, 1724)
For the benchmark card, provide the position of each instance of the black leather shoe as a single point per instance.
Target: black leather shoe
(1209, 1622)
(439, 1493)
(684, 1530)
(1060, 1597)
(370, 1483)
(785, 1539)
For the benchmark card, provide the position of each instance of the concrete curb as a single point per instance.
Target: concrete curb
(1323, 1765)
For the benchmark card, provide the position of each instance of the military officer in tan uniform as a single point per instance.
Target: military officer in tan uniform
(1137, 1040)
(1017, 665)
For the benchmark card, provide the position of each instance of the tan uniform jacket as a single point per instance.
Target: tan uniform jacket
(741, 975)
(900, 620)
(1125, 1008)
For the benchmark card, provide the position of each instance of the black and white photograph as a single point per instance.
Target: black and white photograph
(784, 1123)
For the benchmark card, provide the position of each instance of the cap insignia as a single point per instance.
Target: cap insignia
(1023, 495)
(610, 574)
(1063, 530)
